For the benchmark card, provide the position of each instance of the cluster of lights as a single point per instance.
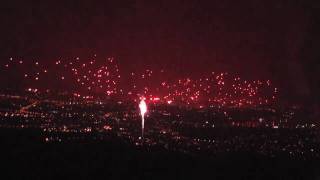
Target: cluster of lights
(103, 76)
(98, 78)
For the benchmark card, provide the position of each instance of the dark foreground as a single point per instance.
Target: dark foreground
(25, 155)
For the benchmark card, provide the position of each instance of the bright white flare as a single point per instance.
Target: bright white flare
(143, 110)
(143, 107)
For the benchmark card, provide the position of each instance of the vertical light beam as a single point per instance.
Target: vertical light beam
(143, 110)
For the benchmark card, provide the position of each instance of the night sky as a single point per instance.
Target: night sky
(274, 39)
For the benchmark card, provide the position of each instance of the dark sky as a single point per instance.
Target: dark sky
(269, 39)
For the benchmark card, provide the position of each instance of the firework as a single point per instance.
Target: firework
(96, 76)
(143, 110)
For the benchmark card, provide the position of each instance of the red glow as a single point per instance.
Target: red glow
(222, 89)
